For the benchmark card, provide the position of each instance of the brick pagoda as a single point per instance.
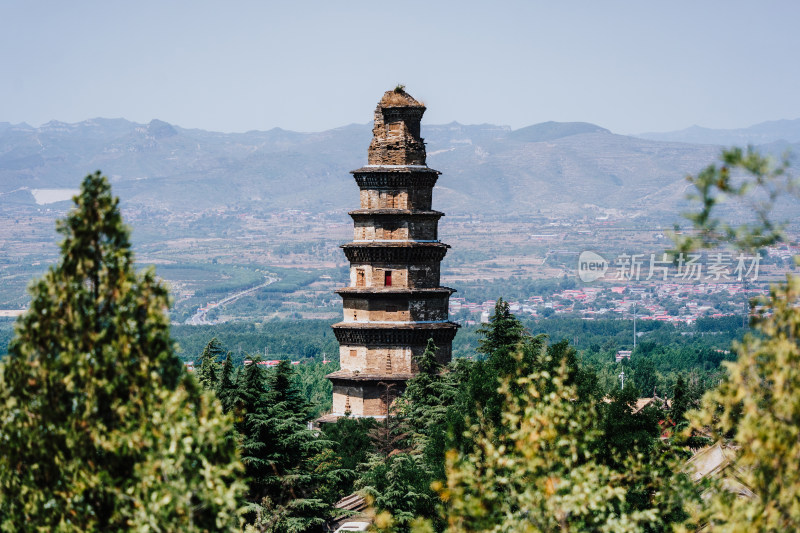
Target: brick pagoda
(394, 303)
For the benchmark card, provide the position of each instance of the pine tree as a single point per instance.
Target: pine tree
(502, 334)
(226, 387)
(292, 473)
(424, 408)
(399, 487)
(256, 434)
(100, 429)
(351, 440)
(681, 402)
(283, 390)
(399, 475)
(420, 401)
(209, 364)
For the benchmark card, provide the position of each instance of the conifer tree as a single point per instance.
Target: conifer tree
(351, 440)
(389, 436)
(502, 334)
(209, 364)
(424, 409)
(226, 387)
(420, 402)
(292, 473)
(399, 487)
(283, 390)
(681, 402)
(100, 429)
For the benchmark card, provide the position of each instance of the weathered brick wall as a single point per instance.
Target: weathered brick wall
(425, 230)
(396, 132)
(398, 230)
(419, 276)
(396, 135)
(363, 400)
(428, 309)
(359, 308)
(421, 197)
(424, 276)
(418, 198)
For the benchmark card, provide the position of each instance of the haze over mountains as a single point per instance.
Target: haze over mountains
(546, 168)
(773, 131)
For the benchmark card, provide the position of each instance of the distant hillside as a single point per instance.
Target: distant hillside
(787, 131)
(487, 169)
(550, 131)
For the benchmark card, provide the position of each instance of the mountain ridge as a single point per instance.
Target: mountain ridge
(547, 168)
(786, 130)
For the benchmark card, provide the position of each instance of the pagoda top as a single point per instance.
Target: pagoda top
(399, 98)
(396, 134)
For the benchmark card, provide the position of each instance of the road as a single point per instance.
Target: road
(199, 318)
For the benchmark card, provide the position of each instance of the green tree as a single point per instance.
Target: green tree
(352, 443)
(424, 408)
(681, 401)
(756, 405)
(420, 405)
(501, 335)
(626, 432)
(399, 480)
(501, 340)
(644, 374)
(100, 429)
(293, 474)
(399, 487)
(209, 364)
(226, 388)
(539, 474)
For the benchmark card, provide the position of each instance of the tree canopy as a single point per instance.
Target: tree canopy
(99, 426)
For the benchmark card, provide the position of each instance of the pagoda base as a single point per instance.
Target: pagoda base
(360, 396)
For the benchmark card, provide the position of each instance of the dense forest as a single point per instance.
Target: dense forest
(664, 352)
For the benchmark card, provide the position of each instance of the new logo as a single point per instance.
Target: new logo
(591, 266)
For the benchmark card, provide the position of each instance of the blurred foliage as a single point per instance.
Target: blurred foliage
(755, 409)
(744, 176)
(101, 429)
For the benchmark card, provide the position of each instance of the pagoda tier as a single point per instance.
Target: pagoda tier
(393, 304)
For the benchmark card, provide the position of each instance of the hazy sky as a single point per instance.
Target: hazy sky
(235, 66)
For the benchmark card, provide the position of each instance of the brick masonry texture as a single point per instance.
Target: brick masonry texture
(393, 303)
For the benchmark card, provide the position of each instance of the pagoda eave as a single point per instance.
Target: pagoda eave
(381, 178)
(395, 169)
(394, 333)
(374, 213)
(395, 252)
(345, 375)
(394, 291)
